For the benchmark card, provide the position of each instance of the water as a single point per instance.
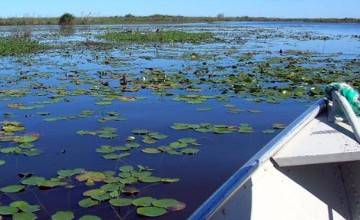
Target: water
(220, 154)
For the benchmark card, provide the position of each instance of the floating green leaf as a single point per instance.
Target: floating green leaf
(63, 215)
(165, 203)
(27, 138)
(149, 179)
(91, 177)
(12, 126)
(89, 217)
(126, 168)
(86, 203)
(150, 150)
(245, 128)
(143, 201)
(8, 210)
(121, 202)
(151, 211)
(25, 206)
(94, 192)
(115, 156)
(12, 188)
(178, 144)
(69, 173)
(33, 181)
(24, 216)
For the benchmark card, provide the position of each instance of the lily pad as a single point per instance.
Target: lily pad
(94, 192)
(89, 217)
(245, 128)
(12, 126)
(110, 187)
(157, 135)
(86, 203)
(151, 211)
(150, 179)
(91, 177)
(24, 216)
(27, 138)
(12, 188)
(150, 150)
(69, 173)
(25, 206)
(33, 181)
(105, 149)
(126, 168)
(143, 201)
(178, 144)
(8, 210)
(121, 202)
(115, 156)
(188, 140)
(165, 203)
(63, 215)
(47, 184)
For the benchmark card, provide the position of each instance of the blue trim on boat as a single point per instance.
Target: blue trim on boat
(244, 173)
(223, 192)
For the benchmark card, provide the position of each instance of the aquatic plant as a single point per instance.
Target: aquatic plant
(214, 128)
(161, 37)
(20, 210)
(114, 189)
(19, 45)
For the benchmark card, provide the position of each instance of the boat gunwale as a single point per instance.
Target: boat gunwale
(239, 178)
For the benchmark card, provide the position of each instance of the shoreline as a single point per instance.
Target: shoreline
(163, 19)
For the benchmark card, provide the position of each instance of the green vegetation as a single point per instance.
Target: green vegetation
(117, 189)
(162, 36)
(131, 19)
(67, 19)
(18, 45)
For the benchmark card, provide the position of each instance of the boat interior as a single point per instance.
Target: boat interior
(316, 175)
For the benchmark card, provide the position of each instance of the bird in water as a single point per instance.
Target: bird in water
(123, 80)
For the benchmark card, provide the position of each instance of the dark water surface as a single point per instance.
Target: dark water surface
(201, 174)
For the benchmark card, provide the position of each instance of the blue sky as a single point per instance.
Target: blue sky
(267, 8)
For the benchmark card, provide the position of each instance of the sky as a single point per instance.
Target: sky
(265, 8)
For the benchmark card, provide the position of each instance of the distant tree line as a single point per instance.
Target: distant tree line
(69, 19)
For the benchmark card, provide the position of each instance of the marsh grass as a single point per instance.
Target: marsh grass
(161, 37)
(131, 19)
(18, 44)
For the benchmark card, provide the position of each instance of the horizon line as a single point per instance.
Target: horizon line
(90, 15)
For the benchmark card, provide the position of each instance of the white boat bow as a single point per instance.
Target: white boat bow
(311, 170)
